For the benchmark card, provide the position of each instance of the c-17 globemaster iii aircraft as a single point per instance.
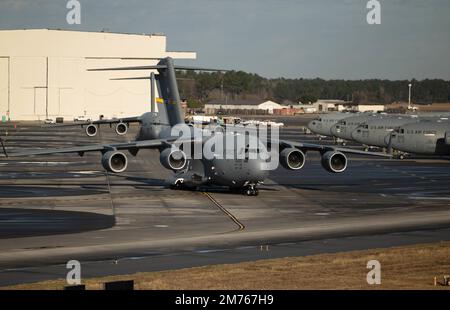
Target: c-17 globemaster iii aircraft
(322, 124)
(428, 137)
(372, 132)
(162, 131)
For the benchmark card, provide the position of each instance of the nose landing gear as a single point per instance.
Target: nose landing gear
(251, 190)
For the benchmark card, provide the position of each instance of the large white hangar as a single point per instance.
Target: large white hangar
(43, 73)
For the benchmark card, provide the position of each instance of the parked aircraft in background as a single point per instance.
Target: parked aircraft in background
(343, 128)
(372, 132)
(322, 124)
(428, 137)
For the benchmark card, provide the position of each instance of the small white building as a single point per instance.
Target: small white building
(329, 105)
(261, 106)
(307, 108)
(367, 108)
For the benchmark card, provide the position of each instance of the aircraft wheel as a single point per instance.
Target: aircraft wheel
(177, 185)
(250, 190)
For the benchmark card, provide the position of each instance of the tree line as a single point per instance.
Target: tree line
(200, 88)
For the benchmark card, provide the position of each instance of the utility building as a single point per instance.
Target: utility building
(43, 73)
(248, 106)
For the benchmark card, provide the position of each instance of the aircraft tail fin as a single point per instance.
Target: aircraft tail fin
(167, 86)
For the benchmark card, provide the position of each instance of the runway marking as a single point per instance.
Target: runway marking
(228, 213)
(429, 198)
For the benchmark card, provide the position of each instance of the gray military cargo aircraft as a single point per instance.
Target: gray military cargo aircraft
(428, 137)
(372, 132)
(322, 124)
(344, 128)
(157, 132)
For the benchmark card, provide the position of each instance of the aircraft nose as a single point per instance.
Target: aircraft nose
(389, 139)
(334, 130)
(312, 125)
(338, 130)
(356, 134)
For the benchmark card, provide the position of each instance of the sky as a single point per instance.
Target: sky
(330, 39)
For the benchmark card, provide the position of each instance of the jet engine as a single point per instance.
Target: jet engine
(121, 129)
(173, 159)
(91, 130)
(292, 159)
(335, 162)
(114, 161)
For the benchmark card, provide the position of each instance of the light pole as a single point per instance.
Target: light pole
(409, 96)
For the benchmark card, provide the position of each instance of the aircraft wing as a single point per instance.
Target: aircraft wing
(326, 148)
(130, 146)
(133, 119)
(135, 146)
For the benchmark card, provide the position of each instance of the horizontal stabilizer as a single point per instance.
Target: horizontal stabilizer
(146, 78)
(156, 67)
(132, 78)
(189, 68)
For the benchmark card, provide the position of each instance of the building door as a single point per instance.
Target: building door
(4, 87)
(40, 102)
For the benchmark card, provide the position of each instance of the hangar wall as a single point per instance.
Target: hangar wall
(43, 73)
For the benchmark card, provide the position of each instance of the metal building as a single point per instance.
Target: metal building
(43, 73)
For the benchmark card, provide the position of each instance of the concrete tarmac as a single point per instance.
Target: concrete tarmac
(63, 207)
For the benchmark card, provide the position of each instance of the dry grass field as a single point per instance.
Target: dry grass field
(408, 267)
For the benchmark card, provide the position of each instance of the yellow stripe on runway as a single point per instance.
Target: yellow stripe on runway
(228, 213)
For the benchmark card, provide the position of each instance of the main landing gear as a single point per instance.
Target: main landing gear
(178, 184)
(251, 190)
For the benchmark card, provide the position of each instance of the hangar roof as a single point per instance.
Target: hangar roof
(70, 43)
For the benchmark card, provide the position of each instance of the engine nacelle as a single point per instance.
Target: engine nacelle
(334, 162)
(114, 161)
(91, 130)
(121, 129)
(173, 159)
(292, 159)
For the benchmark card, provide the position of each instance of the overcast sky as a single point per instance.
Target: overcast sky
(274, 38)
